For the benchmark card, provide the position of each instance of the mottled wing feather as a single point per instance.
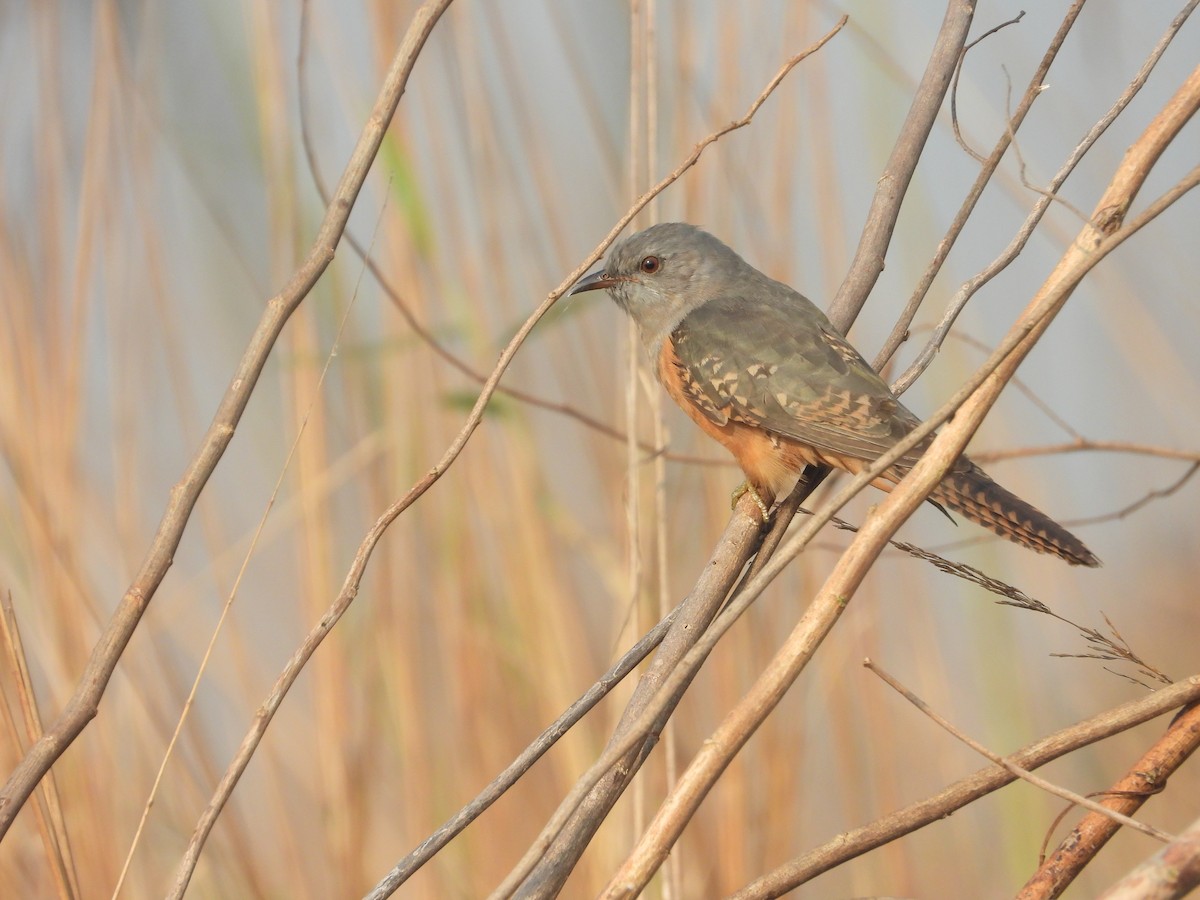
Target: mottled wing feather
(781, 366)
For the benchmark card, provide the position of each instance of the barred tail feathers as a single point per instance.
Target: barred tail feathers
(981, 500)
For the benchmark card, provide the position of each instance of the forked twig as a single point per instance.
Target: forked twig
(967, 207)
(995, 29)
(964, 294)
(1083, 443)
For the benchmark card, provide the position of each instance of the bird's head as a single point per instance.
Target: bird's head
(661, 274)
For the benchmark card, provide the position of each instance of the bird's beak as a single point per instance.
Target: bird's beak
(597, 281)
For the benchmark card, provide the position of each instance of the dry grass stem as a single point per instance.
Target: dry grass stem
(84, 703)
(48, 805)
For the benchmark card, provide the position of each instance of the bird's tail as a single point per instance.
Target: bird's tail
(976, 496)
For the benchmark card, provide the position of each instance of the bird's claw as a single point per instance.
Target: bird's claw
(747, 488)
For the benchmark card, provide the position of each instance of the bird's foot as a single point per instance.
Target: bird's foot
(747, 488)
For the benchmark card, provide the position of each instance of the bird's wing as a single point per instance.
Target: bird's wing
(782, 367)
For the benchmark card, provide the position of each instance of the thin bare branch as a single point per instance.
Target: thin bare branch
(897, 174)
(428, 848)
(1072, 14)
(1087, 444)
(1019, 771)
(932, 809)
(1023, 168)
(1149, 497)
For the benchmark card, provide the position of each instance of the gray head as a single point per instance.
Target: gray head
(661, 274)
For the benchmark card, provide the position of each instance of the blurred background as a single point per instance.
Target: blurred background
(154, 193)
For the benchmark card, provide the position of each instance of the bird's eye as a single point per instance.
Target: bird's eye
(651, 264)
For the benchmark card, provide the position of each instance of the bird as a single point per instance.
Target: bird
(763, 371)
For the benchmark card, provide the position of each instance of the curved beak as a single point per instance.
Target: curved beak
(597, 281)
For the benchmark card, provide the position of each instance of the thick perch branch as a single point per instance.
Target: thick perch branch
(551, 858)
(547, 866)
